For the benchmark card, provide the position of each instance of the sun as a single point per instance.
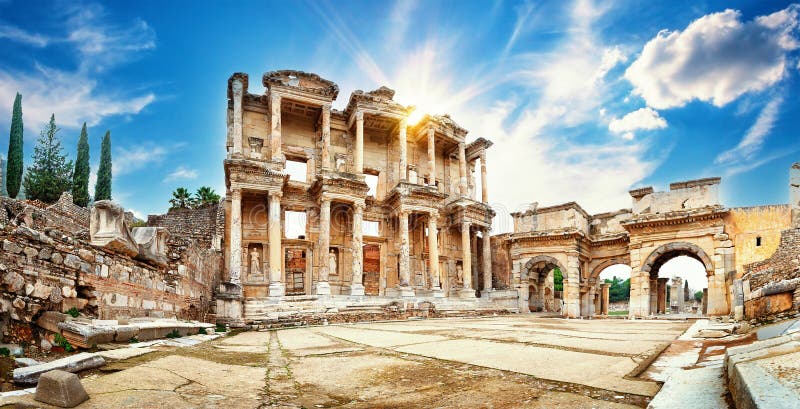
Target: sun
(415, 117)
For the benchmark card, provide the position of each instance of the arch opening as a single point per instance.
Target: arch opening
(678, 275)
(618, 278)
(545, 284)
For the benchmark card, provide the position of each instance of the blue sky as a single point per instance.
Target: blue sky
(584, 100)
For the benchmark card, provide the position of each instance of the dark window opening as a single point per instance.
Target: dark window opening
(758, 241)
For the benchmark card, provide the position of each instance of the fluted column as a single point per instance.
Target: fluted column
(487, 261)
(235, 266)
(359, 148)
(237, 89)
(433, 251)
(276, 285)
(357, 285)
(403, 149)
(275, 127)
(462, 168)
(466, 263)
(431, 157)
(325, 156)
(404, 267)
(323, 288)
(484, 183)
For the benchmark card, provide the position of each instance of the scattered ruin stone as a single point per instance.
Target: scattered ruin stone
(23, 362)
(152, 242)
(60, 388)
(110, 229)
(72, 363)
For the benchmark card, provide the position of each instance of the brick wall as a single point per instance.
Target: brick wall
(198, 224)
(784, 264)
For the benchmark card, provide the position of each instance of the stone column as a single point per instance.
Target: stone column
(661, 289)
(604, 298)
(238, 90)
(653, 296)
(358, 161)
(323, 288)
(462, 168)
(357, 285)
(676, 296)
(705, 301)
(431, 157)
(276, 285)
(403, 149)
(484, 183)
(235, 267)
(275, 119)
(405, 269)
(487, 261)
(326, 137)
(466, 263)
(433, 254)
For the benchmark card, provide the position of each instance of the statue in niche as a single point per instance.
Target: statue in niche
(332, 262)
(471, 184)
(255, 261)
(341, 163)
(459, 275)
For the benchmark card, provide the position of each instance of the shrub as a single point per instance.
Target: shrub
(63, 343)
(73, 312)
(5, 351)
(174, 334)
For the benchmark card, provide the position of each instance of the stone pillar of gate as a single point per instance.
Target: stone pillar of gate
(572, 289)
(275, 233)
(653, 296)
(604, 298)
(662, 295)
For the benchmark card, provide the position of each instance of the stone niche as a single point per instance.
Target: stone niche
(108, 228)
(152, 244)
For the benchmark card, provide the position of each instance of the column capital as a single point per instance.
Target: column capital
(434, 214)
(482, 156)
(359, 206)
(359, 115)
(403, 123)
(465, 224)
(326, 108)
(275, 193)
(274, 96)
(236, 194)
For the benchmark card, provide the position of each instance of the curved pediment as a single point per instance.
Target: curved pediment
(303, 81)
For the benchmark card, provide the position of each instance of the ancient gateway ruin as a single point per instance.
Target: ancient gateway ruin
(386, 211)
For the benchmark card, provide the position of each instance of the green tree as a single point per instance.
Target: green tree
(3, 191)
(181, 198)
(558, 280)
(698, 296)
(619, 290)
(14, 167)
(205, 195)
(102, 189)
(51, 172)
(80, 176)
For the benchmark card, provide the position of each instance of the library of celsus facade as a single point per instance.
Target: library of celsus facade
(350, 208)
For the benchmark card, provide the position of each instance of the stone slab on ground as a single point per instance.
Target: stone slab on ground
(699, 388)
(124, 353)
(765, 374)
(60, 388)
(73, 363)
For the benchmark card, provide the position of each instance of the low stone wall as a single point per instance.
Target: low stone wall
(773, 286)
(43, 268)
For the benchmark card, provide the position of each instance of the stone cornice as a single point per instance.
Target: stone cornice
(328, 88)
(675, 218)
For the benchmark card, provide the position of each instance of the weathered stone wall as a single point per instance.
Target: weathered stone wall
(756, 232)
(44, 268)
(198, 224)
(693, 194)
(783, 265)
(501, 263)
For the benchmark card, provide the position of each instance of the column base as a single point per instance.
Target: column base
(465, 293)
(406, 291)
(323, 288)
(437, 293)
(487, 294)
(277, 289)
(356, 289)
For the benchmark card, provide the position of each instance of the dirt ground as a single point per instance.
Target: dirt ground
(502, 362)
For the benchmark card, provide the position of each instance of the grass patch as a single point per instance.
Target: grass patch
(174, 334)
(618, 313)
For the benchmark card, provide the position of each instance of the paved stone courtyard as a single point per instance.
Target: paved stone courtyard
(510, 361)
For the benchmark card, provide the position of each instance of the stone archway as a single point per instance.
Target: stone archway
(648, 300)
(538, 273)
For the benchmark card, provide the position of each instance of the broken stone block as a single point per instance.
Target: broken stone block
(23, 362)
(126, 332)
(11, 247)
(108, 228)
(152, 242)
(60, 388)
(73, 363)
(49, 320)
(86, 336)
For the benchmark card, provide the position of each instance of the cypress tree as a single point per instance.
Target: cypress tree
(102, 189)
(14, 167)
(3, 191)
(80, 177)
(51, 172)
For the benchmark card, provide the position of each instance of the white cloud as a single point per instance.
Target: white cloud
(74, 95)
(716, 59)
(128, 160)
(755, 136)
(17, 34)
(181, 173)
(641, 119)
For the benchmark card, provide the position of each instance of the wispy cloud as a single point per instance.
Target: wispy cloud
(73, 94)
(524, 12)
(128, 160)
(641, 119)
(181, 173)
(752, 141)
